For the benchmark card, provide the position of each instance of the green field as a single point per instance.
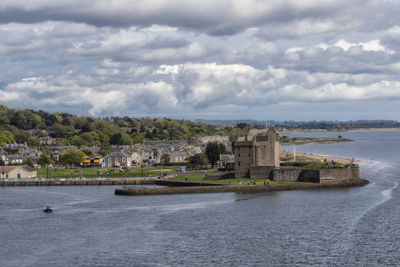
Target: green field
(103, 172)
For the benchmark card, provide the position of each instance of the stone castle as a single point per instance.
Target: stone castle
(257, 154)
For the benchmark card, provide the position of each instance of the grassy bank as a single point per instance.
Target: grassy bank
(235, 181)
(103, 172)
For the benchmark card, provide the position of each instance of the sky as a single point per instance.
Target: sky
(191, 59)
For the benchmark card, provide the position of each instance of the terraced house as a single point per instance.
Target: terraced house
(118, 159)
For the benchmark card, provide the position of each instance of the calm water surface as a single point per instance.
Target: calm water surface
(91, 226)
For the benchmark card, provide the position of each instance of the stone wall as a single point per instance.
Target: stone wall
(287, 175)
(219, 175)
(261, 172)
(317, 176)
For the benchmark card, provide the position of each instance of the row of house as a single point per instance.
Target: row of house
(128, 156)
(18, 153)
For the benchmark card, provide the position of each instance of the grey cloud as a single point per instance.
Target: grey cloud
(214, 17)
(212, 57)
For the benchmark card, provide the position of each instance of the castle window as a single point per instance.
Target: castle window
(239, 155)
(239, 163)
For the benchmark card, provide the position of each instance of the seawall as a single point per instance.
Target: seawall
(67, 182)
(244, 189)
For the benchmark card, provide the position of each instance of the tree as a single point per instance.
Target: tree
(44, 160)
(90, 139)
(213, 150)
(6, 137)
(72, 157)
(137, 138)
(29, 162)
(105, 149)
(197, 161)
(165, 159)
(3, 115)
(120, 139)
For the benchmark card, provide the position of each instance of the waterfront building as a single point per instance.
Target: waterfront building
(17, 172)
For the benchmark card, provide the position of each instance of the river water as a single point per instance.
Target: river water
(90, 226)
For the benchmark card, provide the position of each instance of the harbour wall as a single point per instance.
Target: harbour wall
(296, 174)
(317, 176)
(71, 182)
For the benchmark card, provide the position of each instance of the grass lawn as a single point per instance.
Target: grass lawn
(91, 172)
(233, 181)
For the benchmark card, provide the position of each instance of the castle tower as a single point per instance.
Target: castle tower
(257, 154)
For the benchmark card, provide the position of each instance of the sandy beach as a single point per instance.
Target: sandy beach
(303, 156)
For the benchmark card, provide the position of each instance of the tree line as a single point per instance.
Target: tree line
(27, 126)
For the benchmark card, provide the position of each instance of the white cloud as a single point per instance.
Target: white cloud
(8, 96)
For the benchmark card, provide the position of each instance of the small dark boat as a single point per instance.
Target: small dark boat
(48, 210)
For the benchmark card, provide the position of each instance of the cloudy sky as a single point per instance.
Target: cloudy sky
(225, 59)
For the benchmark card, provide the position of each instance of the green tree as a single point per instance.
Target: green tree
(120, 139)
(3, 115)
(165, 159)
(105, 149)
(44, 160)
(72, 157)
(197, 161)
(62, 142)
(29, 162)
(6, 137)
(137, 138)
(213, 150)
(103, 138)
(91, 139)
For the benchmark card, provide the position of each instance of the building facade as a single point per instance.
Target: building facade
(118, 159)
(17, 172)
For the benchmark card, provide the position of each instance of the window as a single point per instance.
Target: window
(239, 163)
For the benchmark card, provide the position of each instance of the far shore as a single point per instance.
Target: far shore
(338, 130)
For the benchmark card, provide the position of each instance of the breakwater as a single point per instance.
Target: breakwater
(173, 183)
(71, 182)
(244, 189)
